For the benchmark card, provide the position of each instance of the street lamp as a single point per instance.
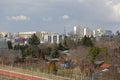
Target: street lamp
(93, 74)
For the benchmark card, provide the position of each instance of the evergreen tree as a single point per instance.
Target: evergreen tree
(54, 52)
(60, 46)
(41, 54)
(118, 32)
(86, 41)
(65, 42)
(34, 40)
(93, 52)
(9, 44)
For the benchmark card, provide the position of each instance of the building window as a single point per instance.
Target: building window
(54, 39)
(49, 39)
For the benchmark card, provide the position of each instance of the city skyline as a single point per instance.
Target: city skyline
(55, 15)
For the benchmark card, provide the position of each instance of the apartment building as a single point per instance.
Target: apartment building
(53, 38)
(44, 36)
(108, 33)
(79, 31)
(88, 32)
(82, 31)
(24, 34)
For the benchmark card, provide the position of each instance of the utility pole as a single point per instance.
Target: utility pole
(18, 43)
(64, 30)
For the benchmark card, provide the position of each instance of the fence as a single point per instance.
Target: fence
(34, 73)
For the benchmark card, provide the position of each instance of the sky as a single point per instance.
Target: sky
(55, 15)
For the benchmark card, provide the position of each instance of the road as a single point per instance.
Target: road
(21, 75)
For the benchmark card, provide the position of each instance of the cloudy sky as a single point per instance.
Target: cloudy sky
(54, 15)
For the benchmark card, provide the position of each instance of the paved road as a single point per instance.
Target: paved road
(21, 75)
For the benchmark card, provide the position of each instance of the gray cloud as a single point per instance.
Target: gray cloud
(92, 13)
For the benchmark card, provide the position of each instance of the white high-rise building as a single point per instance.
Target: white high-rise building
(95, 33)
(100, 32)
(81, 31)
(88, 32)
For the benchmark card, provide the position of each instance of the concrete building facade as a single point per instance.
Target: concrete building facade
(24, 34)
(53, 38)
(79, 31)
(88, 32)
(82, 31)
